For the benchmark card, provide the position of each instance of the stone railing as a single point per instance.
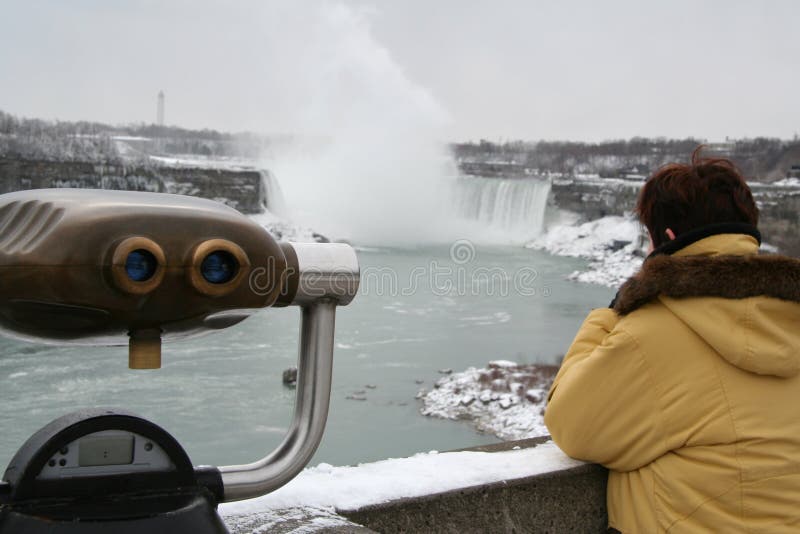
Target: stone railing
(570, 497)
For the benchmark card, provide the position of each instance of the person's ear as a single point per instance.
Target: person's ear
(670, 233)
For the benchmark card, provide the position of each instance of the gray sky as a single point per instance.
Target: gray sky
(586, 70)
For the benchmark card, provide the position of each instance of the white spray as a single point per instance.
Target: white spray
(370, 165)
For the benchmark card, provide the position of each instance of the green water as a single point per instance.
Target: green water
(418, 312)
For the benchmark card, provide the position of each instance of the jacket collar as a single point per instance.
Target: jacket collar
(712, 265)
(688, 239)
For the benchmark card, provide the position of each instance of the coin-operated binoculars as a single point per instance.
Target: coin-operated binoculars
(110, 268)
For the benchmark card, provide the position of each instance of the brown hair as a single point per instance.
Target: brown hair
(683, 197)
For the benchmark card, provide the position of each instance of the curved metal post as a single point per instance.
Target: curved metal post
(314, 371)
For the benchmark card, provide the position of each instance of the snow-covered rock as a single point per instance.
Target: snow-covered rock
(504, 399)
(614, 245)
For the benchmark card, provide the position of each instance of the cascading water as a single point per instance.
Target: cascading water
(271, 194)
(511, 209)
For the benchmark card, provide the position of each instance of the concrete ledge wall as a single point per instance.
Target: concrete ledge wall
(570, 500)
(573, 500)
(566, 500)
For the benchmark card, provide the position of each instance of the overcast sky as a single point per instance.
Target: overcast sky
(584, 70)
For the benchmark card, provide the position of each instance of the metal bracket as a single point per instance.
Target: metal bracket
(328, 276)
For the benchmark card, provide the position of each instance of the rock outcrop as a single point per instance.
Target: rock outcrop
(505, 398)
(242, 189)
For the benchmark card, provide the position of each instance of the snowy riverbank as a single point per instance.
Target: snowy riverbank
(614, 246)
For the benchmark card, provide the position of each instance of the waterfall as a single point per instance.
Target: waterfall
(367, 163)
(271, 195)
(514, 207)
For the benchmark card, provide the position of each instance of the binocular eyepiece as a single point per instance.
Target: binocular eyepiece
(142, 267)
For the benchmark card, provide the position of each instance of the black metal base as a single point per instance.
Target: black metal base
(196, 515)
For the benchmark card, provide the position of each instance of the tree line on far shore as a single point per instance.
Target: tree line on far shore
(36, 139)
(760, 158)
(39, 139)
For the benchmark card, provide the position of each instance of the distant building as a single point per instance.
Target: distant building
(160, 112)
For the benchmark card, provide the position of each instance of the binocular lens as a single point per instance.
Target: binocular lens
(140, 265)
(219, 267)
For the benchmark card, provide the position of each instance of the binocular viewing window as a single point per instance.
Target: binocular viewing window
(215, 267)
(219, 267)
(141, 265)
(138, 265)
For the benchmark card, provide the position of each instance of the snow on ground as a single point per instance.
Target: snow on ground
(613, 245)
(787, 182)
(504, 399)
(350, 488)
(283, 230)
(205, 162)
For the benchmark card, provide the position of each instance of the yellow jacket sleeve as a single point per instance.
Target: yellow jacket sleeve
(603, 404)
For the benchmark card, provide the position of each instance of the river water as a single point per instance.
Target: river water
(419, 311)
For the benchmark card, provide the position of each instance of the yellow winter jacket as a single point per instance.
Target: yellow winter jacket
(689, 392)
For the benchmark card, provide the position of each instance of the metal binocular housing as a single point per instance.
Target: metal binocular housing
(115, 267)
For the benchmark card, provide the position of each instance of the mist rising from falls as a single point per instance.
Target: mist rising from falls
(502, 209)
(367, 161)
(369, 164)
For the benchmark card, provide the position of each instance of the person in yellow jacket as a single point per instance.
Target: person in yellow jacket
(688, 387)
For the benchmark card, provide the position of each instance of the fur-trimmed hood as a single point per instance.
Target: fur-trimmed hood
(747, 307)
(730, 277)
